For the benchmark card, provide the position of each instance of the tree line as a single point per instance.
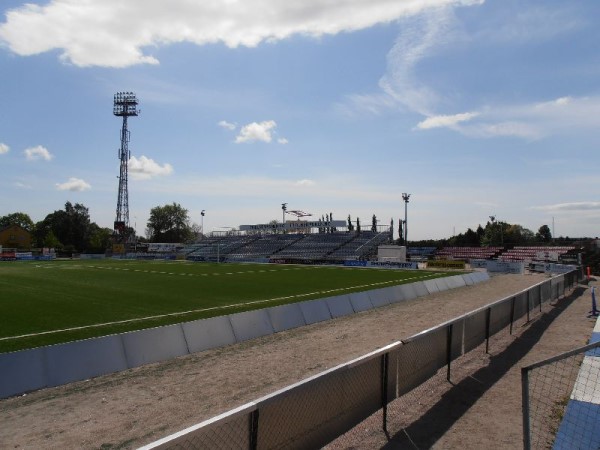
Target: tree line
(70, 230)
(494, 234)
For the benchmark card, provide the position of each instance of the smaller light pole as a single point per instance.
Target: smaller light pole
(284, 209)
(405, 197)
(494, 220)
(202, 222)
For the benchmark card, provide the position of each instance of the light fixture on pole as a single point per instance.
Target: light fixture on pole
(494, 220)
(202, 222)
(284, 208)
(405, 197)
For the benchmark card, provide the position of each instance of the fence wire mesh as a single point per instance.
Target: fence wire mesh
(315, 413)
(230, 434)
(561, 403)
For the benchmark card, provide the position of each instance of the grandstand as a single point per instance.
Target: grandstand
(292, 247)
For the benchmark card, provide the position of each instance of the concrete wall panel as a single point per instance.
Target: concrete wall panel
(432, 286)
(315, 311)
(420, 288)
(251, 324)
(210, 333)
(360, 301)
(381, 297)
(22, 372)
(469, 280)
(442, 284)
(285, 317)
(407, 291)
(339, 306)
(481, 277)
(85, 359)
(153, 345)
(455, 282)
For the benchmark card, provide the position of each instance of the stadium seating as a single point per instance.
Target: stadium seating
(535, 253)
(468, 253)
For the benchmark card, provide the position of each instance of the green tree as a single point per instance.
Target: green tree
(517, 235)
(51, 241)
(19, 218)
(544, 234)
(374, 224)
(468, 239)
(69, 226)
(169, 223)
(99, 238)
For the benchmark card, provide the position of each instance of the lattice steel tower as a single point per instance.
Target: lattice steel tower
(125, 105)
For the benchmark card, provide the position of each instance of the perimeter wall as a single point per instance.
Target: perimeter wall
(55, 365)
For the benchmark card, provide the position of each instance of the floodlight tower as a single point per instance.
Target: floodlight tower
(125, 105)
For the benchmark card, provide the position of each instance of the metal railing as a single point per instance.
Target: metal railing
(315, 411)
(561, 400)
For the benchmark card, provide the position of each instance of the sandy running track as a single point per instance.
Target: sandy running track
(138, 406)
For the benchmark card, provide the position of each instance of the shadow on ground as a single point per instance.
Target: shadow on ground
(430, 427)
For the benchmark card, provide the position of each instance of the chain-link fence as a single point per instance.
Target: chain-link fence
(561, 401)
(315, 411)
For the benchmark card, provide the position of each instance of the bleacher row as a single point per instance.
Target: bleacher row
(289, 247)
(519, 253)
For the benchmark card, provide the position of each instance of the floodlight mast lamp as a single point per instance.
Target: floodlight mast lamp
(125, 105)
(405, 197)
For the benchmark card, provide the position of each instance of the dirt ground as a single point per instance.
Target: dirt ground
(480, 408)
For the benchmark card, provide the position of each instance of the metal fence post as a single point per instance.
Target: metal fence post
(384, 388)
(488, 317)
(528, 305)
(525, 407)
(541, 299)
(512, 313)
(449, 330)
(254, 430)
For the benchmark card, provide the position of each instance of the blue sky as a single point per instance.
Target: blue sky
(476, 108)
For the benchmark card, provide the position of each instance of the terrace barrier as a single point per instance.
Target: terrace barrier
(315, 411)
(54, 365)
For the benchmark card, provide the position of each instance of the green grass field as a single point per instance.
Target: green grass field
(51, 302)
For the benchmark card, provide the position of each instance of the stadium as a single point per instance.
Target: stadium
(293, 334)
(301, 331)
(241, 336)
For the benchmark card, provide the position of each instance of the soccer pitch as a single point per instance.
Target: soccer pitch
(51, 302)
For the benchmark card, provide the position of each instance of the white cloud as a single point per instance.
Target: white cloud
(114, 33)
(282, 141)
(445, 121)
(20, 185)
(227, 125)
(574, 206)
(564, 115)
(145, 168)
(37, 153)
(420, 38)
(306, 182)
(4, 148)
(74, 185)
(256, 131)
